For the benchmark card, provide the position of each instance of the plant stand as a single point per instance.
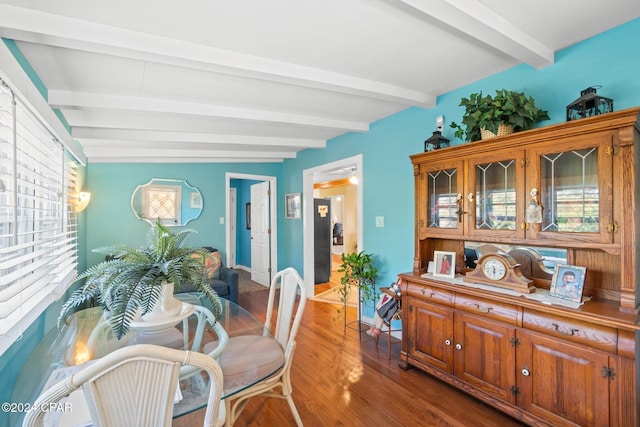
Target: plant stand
(353, 323)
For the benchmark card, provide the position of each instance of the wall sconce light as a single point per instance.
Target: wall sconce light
(82, 201)
(589, 104)
(353, 179)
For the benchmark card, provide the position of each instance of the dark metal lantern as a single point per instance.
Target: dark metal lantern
(589, 104)
(436, 141)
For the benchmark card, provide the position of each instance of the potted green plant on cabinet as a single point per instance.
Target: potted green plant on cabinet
(132, 280)
(489, 116)
(357, 272)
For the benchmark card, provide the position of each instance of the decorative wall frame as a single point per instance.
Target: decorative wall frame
(445, 264)
(196, 200)
(292, 206)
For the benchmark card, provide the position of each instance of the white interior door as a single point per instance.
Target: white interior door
(233, 219)
(260, 233)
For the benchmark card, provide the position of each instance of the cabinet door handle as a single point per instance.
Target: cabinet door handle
(447, 342)
(431, 294)
(470, 197)
(458, 346)
(483, 309)
(570, 333)
(525, 372)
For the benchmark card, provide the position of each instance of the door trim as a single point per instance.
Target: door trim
(307, 214)
(232, 220)
(273, 214)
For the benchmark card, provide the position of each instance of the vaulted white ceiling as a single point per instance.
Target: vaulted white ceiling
(256, 80)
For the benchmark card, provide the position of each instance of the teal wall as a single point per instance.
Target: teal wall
(111, 220)
(606, 60)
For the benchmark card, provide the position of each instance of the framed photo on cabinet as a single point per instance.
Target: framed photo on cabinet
(445, 264)
(568, 282)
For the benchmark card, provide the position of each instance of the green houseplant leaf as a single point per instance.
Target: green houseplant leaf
(488, 112)
(130, 281)
(357, 270)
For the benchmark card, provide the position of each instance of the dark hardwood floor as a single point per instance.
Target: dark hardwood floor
(344, 380)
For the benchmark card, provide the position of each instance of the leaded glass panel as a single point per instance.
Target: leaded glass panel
(442, 198)
(570, 192)
(495, 195)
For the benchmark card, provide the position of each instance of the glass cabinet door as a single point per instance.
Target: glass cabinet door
(575, 190)
(442, 201)
(494, 197)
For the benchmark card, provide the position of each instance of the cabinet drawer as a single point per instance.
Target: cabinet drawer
(596, 336)
(487, 308)
(431, 294)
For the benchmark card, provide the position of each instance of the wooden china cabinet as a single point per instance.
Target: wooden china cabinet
(545, 364)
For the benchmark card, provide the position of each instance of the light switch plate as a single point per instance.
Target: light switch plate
(221, 220)
(379, 221)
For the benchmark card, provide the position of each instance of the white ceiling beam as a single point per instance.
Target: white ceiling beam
(92, 135)
(55, 30)
(473, 18)
(135, 152)
(67, 99)
(175, 159)
(119, 146)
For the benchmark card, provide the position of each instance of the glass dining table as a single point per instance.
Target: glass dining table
(85, 338)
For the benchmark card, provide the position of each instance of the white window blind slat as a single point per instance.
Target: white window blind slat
(8, 280)
(28, 286)
(32, 300)
(24, 260)
(38, 230)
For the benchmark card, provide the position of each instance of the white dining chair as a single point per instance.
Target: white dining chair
(204, 316)
(134, 386)
(102, 334)
(275, 351)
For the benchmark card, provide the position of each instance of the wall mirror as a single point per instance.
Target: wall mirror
(173, 202)
(535, 262)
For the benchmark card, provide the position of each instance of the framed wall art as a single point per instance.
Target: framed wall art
(292, 206)
(196, 200)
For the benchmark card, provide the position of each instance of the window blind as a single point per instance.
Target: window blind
(38, 227)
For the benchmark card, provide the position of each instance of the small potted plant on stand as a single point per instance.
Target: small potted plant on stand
(357, 271)
(137, 284)
(489, 116)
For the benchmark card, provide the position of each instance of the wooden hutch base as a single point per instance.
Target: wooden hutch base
(544, 364)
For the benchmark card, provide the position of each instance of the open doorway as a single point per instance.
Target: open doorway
(238, 225)
(349, 168)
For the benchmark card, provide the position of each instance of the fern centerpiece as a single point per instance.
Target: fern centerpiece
(130, 282)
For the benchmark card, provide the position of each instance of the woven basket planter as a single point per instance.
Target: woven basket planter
(503, 130)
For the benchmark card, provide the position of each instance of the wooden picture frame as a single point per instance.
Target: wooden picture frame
(248, 215)
(292, 206)
(445, 264)
(568, 282)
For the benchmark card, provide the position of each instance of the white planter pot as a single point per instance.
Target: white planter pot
(167, 305)
(167, 313)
